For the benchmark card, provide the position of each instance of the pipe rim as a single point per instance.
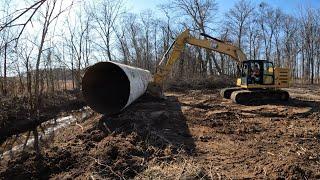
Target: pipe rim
(104, 94)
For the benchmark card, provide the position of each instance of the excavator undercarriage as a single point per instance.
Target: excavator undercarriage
(254, 96)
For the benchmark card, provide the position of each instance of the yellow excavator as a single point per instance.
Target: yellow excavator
(258, 80)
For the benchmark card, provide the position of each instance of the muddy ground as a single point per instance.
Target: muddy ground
(192, 134)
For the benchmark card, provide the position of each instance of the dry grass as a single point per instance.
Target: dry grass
(185, 168)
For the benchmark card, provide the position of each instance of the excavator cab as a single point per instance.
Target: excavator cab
(257, 72)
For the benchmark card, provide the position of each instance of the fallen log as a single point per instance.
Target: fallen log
(16, 118)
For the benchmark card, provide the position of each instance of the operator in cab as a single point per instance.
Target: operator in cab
(255, 73)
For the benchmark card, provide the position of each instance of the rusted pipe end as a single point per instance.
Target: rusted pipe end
(106, 88)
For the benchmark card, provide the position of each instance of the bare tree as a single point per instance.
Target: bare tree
(33, 8)
(290, 43)
(24, 52)
(237, 19)
(201, 13)
(278, 19)
(134, 34)
(254, 38)
(79, 43)
(309, 32)
(121, 33)
(267, 19)
(48, 16)
(5, 44)
(106, 15)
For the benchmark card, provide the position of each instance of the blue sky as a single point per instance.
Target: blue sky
(288, 6)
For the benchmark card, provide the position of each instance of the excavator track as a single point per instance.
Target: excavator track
(259, 96)
(226, 92)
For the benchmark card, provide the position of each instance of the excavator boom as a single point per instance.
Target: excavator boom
(177, 47)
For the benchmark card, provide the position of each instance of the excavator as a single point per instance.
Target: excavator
(258, 81)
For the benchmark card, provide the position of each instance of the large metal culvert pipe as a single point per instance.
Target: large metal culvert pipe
(109, 87)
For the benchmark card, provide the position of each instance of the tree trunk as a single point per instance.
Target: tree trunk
(312, 69)
(215, 63)
(72, 72)
(4, 85)
(208, 59)
(222, 63)
(108, 45)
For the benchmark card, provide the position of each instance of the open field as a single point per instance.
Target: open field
(191, 134)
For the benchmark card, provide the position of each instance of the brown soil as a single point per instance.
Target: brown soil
(192, 134)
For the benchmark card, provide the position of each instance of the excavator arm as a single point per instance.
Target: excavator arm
(177, 47)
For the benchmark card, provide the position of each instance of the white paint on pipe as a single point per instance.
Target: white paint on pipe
(139, 80)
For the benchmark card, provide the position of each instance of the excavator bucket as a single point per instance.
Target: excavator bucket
(155, 90)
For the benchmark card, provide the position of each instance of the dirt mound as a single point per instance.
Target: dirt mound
(28, 165)
(119, 157)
